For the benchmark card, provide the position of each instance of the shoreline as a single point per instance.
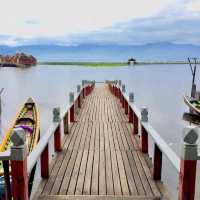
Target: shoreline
(112, 64)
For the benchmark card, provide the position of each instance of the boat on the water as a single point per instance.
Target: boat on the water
(27, 119)
(193, 104)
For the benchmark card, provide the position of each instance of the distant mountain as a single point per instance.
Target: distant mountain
(91, 52)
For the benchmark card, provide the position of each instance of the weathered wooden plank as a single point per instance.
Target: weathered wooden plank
(142, 174)
(102, 165)
(115, 172)
(88, 174)
(95, 169)
(136, 174)
(69, 170)
(123, 178)
(80, 182)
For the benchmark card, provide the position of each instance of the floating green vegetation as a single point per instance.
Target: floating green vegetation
(87, 64)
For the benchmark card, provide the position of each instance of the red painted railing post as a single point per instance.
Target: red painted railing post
(144, 134)
(135, 124)
(8, 193)
(79, 95)
(187, 176)
(57, 133)
(131, 100)
(130, 118)
(19, 172)
(83, 90)
(144, 141)
(157, 164)
(57, 139)
(66, 123)
(123, 98)
(126, 107)
(44, 160)
(72, 108)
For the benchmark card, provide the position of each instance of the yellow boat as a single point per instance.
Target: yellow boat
(27, 119)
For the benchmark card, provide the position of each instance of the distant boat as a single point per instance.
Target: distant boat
(193, 104)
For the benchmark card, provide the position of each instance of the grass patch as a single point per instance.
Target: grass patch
(87, 64)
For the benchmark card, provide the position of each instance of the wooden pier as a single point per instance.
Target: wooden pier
(100, 156)
(103, 153)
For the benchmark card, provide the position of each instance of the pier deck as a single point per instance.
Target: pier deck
(100, 157)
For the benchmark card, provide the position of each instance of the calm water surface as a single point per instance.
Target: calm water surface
(159, 87)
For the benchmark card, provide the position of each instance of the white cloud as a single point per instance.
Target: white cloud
(54, 18)
(193, 5)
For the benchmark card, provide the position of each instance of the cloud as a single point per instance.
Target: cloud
(121, 22)
(60, 17)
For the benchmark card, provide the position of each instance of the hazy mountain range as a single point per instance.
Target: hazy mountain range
(92, 52)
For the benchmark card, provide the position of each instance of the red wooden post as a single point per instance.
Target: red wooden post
(83, 92)
(144, 141)
(44, 160)
(135, 124)
(187, 179)
(72, 118)
(19, 165)
(157, 164)
(123, 101)
(130, 115)
(7, 180)
(19, 179)
(126, 107)
(66, 124)
(144, 134)
(79, 101)
(187, 176)
(72, 108)
(57, 139)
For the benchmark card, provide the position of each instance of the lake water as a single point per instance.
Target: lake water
(158, 87)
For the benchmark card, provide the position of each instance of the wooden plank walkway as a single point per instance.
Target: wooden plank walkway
(100, 157)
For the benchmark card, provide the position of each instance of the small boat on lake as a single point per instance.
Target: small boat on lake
(193, 104)
(28, 120)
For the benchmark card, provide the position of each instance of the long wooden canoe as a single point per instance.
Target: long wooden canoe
(193, 104)
(27, 119)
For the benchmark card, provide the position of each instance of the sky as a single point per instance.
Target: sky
(74, 22)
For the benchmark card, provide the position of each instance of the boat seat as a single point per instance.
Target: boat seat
(25, 119)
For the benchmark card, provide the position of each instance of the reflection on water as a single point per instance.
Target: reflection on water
(158, 87)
